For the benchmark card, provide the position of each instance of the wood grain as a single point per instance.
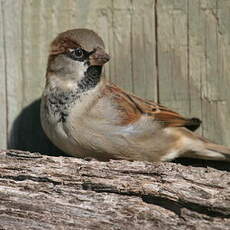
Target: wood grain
(43, 192)
(173, 55)
(173, 51)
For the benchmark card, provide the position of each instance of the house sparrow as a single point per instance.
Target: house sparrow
(86, 116)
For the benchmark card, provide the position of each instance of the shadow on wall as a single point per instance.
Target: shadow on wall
(27, 133)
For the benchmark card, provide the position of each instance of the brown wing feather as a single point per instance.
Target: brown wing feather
(132, 107)
(128, 110)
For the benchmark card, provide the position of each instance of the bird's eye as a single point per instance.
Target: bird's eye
(78, 52)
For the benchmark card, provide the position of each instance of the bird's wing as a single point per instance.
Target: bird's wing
(132, 108)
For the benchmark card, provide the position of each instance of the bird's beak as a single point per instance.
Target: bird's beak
(99, 57)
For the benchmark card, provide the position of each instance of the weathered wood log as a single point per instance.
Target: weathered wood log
(46, 192)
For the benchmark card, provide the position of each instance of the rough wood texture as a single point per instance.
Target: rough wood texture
(173, 51)
(43, 192)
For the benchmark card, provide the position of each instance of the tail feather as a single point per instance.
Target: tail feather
(218, 149)
(202, 148)
(211, 151)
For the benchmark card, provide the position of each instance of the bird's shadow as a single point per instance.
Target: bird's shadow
(220, 165)
(27, 135)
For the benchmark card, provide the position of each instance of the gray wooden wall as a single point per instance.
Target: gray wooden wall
(173, 51)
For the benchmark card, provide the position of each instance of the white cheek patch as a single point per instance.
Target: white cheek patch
(81, 69)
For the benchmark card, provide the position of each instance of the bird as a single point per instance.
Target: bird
(86, 116)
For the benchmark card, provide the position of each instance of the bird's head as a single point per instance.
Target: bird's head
(75, 52)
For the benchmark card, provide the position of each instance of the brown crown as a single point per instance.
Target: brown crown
(70, 39)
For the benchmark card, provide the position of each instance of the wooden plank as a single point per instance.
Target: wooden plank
(173, 55)
(3, 101)
(196, 58)
(121, 63)
(210, 82)
(224, 68)
(206, 91)
(13, 63)
(208, 52)
(221, 81)
(143, 49)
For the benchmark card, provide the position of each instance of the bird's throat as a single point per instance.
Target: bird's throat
(61, 99)
(91, 78)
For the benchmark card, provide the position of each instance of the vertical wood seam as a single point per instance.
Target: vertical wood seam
(206, 74)
(188, 59)
(201, 88)
(156, 54)
(131, 45)
(217, 46)
(22, 55)
(5, 73)
(113, 43)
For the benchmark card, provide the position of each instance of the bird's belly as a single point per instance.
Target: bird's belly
(59, 137)
(54, 129)
(84, 136)
(138, 141)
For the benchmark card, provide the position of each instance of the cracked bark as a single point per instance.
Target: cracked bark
(46, 192)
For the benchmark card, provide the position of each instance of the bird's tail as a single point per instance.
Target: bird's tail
(218, 151)
(210, 151)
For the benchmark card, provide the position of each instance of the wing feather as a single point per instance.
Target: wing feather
(132, 108)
